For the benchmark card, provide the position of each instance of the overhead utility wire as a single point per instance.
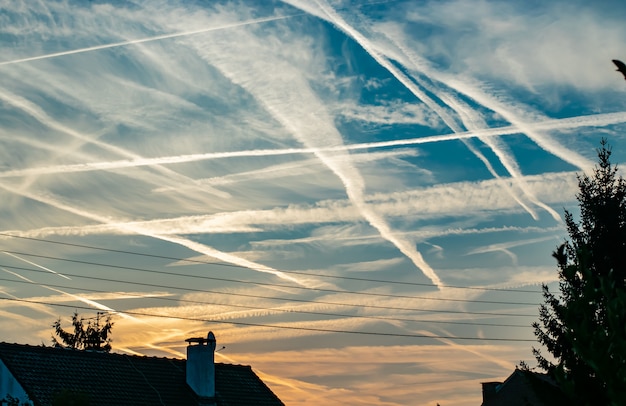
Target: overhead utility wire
(273, 309)
(276, 298)
(279, 326)
(271, 284)
(262, 269)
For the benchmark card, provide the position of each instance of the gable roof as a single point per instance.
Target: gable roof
(524, 388)
(119, 379)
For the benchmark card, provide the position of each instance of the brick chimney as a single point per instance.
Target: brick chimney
(201, 367)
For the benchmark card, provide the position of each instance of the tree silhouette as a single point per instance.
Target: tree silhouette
(584, 328)
(91, 336)
(9, 400)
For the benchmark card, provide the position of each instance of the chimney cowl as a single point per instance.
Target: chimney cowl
(209, 340)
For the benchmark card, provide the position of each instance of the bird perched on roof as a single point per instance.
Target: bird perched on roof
(621, 67)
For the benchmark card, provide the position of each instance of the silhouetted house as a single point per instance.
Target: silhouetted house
(524, 388)
(43, 375)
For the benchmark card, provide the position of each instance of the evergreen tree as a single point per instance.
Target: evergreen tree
(92, 336)
(584, 328)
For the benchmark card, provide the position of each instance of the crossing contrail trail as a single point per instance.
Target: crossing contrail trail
(148, 39)
(469, 117)
(299, 110)
(596, 120)
(474, 121)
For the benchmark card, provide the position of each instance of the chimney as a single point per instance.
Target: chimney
(201, 366)
(489, 391)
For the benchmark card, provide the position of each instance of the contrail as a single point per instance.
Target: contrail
(596, 120)
(420, 234)
(299, 111)
(469, 118)
(186, 225)
(148, 39)
(450, 121)
(37, 265)
(474, 121)
(505, 247)
(90, 302)
(200, 248)
(37, 113)
(509, 244)
(542, 140)
(40, 307)
(285, 169)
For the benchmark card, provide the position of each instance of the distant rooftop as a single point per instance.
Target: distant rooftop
(524, 388)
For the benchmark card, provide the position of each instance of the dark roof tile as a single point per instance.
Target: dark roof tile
(118, 379)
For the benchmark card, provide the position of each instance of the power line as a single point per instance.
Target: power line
(276, 298)
(272, 284)
(276, 309)
(279, 326)
(265, 269)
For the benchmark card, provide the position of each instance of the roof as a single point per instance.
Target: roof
(119, 379)
(525, 388)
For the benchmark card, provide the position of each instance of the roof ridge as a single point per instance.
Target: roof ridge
(75, 350)
(119, 354)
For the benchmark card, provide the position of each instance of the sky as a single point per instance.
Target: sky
(359, 198)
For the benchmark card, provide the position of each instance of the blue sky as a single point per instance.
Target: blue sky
(332, 169)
